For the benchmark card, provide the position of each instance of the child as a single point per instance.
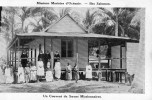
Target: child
(49, 75)
(68, 72)
(27, 73)
(21, 76)
(76, 73)
(33, 71)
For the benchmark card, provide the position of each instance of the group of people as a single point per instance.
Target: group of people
(30, 72)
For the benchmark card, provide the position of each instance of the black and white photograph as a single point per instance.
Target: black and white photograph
(72, 50)
(75, 50)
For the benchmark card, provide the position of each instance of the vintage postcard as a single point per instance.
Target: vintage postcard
(75, 49)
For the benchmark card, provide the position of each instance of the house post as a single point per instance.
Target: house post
(52, 56)
(99, 59)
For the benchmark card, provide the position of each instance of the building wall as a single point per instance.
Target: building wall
(115, 53)
(82, 50)
(66, 25)
(132, 51)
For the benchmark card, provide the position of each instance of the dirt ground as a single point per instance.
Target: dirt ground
(62, 86)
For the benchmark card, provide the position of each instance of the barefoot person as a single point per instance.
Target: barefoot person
(76, 72)
(68, 72)
(88, 72)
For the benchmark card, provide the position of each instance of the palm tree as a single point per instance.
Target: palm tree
(90, 19)
(8, 21)
(63, 11)
(43, 17)
(47, 17)
(23, 14)
(121, 19)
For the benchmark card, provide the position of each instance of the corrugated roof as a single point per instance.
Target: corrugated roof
(80, 35)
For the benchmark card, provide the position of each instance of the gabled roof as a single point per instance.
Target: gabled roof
(63, 18)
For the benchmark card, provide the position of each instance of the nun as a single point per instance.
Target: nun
(57, 70)
(88, 72)
(9, 74)
(40, 70)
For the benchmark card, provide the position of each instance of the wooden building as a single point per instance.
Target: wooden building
(72, 41)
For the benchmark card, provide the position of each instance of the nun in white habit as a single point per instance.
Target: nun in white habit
(9, 74)
(88, 72)
(57, 69)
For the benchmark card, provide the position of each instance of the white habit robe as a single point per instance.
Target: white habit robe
(88, 71)
(49, 76)
(57, 69)
(33, 73)
(40, 68)
(9, 75)
(21, 75)
(2, 76)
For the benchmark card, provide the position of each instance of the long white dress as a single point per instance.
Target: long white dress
(27, 74)
(40, 68)
(88, 71)
(9, 75)
(2, 76)
(69, 72)
(21, 75)
(49, 76)
(57, 69)
(33, 73)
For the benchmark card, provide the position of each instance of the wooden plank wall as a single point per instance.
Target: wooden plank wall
(115, 53)
(66, 25)
(132, 52)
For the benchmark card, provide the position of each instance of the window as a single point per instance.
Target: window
(66, 48)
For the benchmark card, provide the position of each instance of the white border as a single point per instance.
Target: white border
(147, 4)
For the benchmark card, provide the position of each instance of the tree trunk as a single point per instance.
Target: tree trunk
(116, 25)
(138, 85)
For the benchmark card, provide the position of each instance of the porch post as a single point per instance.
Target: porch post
(44, 46)
(52, 56)
(7, 56)
(10, 57)
(18, 50)
(99, 69)
(99, 54)
(15, 55)
(77, 52)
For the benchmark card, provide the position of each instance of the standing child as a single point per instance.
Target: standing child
(21, 75)
(33, 72)
(76, 73)
(27, 73)
(68, 72)
(49, 75)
